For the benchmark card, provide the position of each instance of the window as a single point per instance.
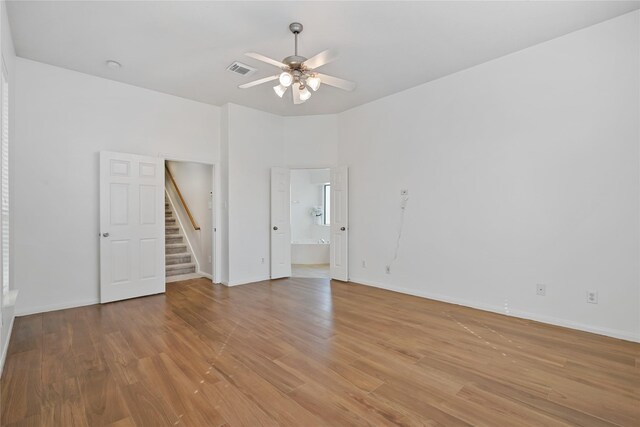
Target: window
(4, 185)
(326, 197)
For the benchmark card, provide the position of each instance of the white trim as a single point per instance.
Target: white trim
(55, 307)
(181, 277)
(216, 253)
(9, 298)
(167, 157)
(184, 233)
(6, 347)
(206, 275)
(614, 333)
(216, 211)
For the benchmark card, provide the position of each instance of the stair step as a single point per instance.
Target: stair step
(173, 238)
(177, 256)
(181, 258)
(177, 269)
(175, 248)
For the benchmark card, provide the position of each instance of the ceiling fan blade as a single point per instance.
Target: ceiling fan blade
(266, 59)
(321, 59)
(336, 82)
(258, 82)
(296, 94)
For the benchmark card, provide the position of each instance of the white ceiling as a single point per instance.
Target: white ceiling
(182, 48)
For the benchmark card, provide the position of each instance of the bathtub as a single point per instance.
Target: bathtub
(310, 252)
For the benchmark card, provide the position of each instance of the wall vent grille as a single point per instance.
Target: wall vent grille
(241, 69)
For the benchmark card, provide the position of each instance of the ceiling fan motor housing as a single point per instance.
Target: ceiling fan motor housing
(294, 61)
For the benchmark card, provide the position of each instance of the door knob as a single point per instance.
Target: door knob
(105, 234)
(275, 228)
(342, 228)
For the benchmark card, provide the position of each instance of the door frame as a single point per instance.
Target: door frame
(316, 168)
(215, 211)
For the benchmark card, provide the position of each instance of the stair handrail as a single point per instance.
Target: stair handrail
(184, 203)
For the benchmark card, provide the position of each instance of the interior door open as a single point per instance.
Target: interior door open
(339, 252)
(280, 223)
(131, 226)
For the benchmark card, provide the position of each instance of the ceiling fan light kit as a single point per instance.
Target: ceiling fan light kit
(299, 72)
(280, 90)
(314, 82)
(286, 79)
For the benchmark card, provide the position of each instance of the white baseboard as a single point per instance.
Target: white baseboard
(3, 357)
(614, 333)
(181, 277)
(53, 307)
(207, 275)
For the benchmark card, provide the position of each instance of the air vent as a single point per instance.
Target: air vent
(241, 69)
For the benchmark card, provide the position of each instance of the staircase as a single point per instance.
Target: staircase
(178, 259)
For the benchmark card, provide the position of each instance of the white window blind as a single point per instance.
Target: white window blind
(4, 188)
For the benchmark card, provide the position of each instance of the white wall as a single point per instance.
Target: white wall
(306, 193)
(522, 170)
(255, 145)
(223, 199)
(311, 141)
(65, 118)
(7, 302)
(195, 181)
(252, 143)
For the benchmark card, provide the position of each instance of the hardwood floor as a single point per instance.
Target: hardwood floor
(318, 271)
(304, 352)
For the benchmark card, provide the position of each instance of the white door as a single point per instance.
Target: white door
(280, 223)
(131, 226)
(339, 253)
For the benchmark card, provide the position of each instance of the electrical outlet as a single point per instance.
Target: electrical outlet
(263, 260)
(364, 264)
(592, 297)
(388, 269)
(404, 192)
(541, 289)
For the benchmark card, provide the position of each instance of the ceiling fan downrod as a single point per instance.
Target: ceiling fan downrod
(295, 28)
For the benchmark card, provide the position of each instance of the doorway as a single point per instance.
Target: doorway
(310, 222)
(324, 209)
(189, 220)
(134, 192)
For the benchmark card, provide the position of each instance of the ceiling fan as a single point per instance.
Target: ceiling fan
(300, 72)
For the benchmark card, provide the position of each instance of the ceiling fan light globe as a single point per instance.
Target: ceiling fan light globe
(286, 79)
(314, 82)
(279, 90)
(305, 94)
